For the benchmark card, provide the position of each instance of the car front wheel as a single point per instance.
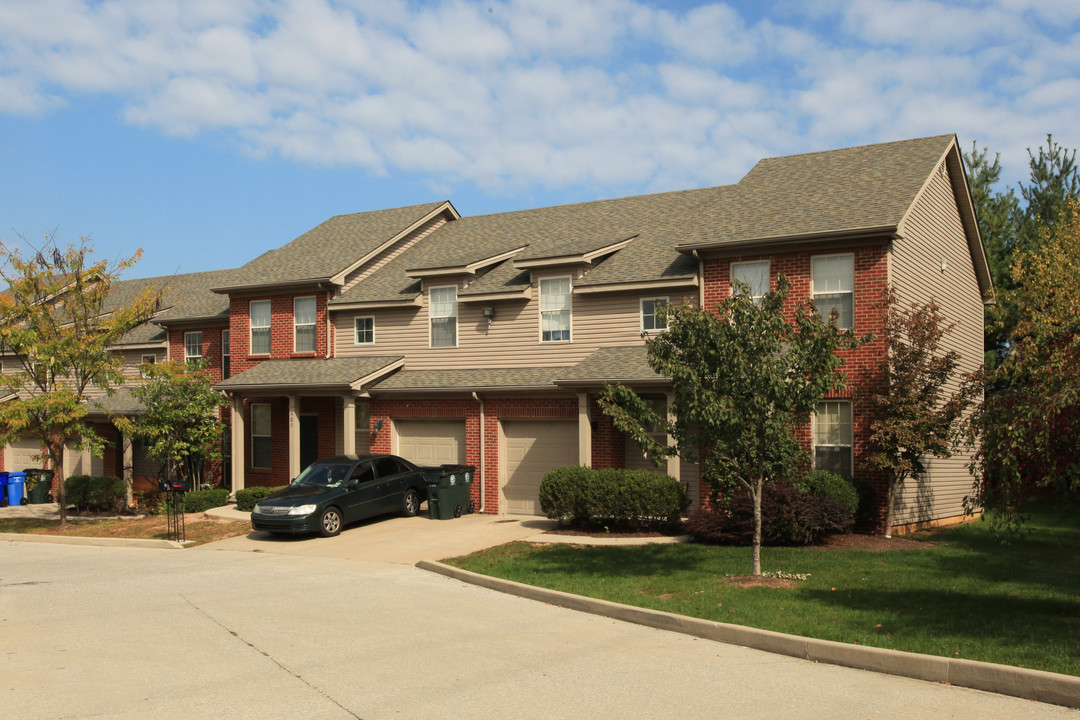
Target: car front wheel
(330, 522)
(410, 505)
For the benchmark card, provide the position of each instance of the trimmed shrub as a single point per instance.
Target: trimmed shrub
(562, 493)
(611, 498)
(246, 498)
(789, 517)
(202, 500)
(95, 493)
(829, 485)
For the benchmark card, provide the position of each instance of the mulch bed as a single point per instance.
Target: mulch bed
(854, 541)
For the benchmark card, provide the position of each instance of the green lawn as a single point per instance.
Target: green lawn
(971, 595)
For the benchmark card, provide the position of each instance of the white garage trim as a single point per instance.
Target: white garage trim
(528, 450)
(429, 442)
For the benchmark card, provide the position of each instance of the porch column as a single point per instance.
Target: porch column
(674, 463)
(127, 465)
(584, 429)
(348, 424)
(237, 443)
(294, 436)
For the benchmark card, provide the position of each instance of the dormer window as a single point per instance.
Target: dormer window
(555, 310)
(443, 312)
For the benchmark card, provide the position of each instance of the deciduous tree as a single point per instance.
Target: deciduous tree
(743, 378)
(56, 320)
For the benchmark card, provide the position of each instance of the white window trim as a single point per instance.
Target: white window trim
(641, 314)
(431, 318)
(813, 290)
(149, 359)
(540, 311)
(768, 277)
(813, 437)
(253, 436)
(356, 330)
(226, 350)
(314, 326)
(251, 328)
(189, 358)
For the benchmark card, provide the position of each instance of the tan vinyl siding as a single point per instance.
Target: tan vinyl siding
(511, 340)
(933, 231)
(377, 262)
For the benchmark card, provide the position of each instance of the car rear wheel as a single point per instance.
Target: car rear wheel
(330, 522)
(410, 505)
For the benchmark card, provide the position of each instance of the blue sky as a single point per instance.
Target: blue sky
(206, 132)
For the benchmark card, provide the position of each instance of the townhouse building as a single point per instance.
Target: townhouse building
(486, 340)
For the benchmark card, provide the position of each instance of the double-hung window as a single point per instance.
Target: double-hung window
(226, 354)
(304, 325)
(555, 310)
(833, 281)
(650, 322)
(260, 327)
(754, 275)
(833, 437)
(365, 330)
(193, 346)
(260, 435)
(443, 302)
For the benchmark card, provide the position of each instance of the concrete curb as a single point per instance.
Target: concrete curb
(94, 541)
(1019, 682)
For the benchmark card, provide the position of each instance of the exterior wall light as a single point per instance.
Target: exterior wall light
(489, 314)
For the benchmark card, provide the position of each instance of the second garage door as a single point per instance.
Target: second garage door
(532, 449)
(431, 442)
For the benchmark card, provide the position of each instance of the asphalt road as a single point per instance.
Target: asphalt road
(88, 632)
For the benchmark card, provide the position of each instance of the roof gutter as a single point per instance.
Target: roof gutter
(868, 234)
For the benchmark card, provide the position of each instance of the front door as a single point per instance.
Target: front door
(309, 440)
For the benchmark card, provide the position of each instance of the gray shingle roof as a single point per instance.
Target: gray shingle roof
(121, 402)
(625, 363)
(328, 249)
(461, 380)
(316, 372)
(185, 296)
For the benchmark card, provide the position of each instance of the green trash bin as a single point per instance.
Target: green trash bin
(38, 486)
(448, 490)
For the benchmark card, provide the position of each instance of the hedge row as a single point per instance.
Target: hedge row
(95, 493)
(614, 499)
(246, 498)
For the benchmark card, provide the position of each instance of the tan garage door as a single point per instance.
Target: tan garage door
(431, 442)
(533, 448)
(20, 454)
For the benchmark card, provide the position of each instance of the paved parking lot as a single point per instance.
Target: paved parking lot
(90, 632)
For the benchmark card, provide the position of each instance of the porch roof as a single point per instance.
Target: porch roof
(621, 364)
(326, 374)
(121, 402)
(469, 380)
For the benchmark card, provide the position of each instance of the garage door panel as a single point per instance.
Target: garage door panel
(532, 449)
(431, 442)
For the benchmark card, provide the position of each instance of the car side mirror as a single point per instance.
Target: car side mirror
(351, 483)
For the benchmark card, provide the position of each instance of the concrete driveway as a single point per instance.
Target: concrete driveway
(394, 539)
(92, 632)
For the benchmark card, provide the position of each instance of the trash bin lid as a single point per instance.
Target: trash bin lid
(19, 476)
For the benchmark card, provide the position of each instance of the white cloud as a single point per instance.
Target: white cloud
(551, 93)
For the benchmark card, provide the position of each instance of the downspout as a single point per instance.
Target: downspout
(701, 278)
(329, 352)
(480, 400)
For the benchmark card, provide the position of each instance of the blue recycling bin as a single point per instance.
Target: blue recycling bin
(15, 483)
(3, 489)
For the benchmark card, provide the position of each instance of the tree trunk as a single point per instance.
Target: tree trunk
(57, 458)
(756, 495)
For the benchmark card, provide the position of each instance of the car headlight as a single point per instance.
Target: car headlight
(302, 510)
(260, 509)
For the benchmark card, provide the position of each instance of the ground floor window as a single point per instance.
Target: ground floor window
(833, 437)
(260, 435)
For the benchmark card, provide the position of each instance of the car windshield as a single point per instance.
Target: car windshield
(324, 474)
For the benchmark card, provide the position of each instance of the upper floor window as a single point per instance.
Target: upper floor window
(193, 346)
(443, 312)
(304, 325)
(365, 330)
(226, 354)
(755, 275)
(555, 310)
(832, 280)
(260, 327)
(833, 437)
(151, 359)
(649, 320)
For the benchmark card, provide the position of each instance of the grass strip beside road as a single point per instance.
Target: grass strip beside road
(971, 595)
(198, 528)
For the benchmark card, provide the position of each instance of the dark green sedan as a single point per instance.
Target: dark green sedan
(329, 494)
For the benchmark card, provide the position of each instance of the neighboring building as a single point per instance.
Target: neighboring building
(486, 340)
